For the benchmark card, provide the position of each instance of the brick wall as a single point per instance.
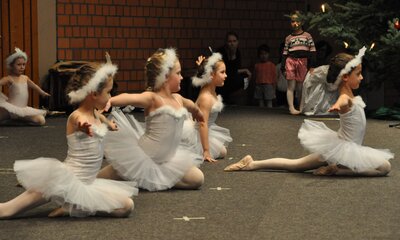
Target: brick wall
(131, 30)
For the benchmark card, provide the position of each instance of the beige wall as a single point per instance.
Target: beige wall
(46, 36)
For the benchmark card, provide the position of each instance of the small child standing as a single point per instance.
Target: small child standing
(334, 153)
(265, 78)
(299, 55)
(72, 184)
(15, 106)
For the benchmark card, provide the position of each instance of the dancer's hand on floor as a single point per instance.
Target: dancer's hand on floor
(207, 157)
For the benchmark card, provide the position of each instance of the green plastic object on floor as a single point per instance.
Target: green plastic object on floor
(389, 113)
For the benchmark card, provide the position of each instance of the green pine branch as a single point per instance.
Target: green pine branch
(361, 23)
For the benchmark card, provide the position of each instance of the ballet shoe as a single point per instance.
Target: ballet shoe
(124, 212)
(58, 212)
(244, 162)
(131, 208)
(326, 170)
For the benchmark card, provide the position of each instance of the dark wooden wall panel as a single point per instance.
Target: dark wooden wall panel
(19, 29)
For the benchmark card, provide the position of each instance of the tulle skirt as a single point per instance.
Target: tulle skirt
(218, 138)
(59, 184)
(316, 137)
(123, 152)
(19, 112)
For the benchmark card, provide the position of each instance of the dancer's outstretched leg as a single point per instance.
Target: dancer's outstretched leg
(22, 203)
(308, 162)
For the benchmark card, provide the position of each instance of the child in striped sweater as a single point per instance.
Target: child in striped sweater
(298, 56)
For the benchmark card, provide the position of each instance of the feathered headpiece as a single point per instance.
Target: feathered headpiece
(168, 64)
(349, 66)
(18, 54)
(102, 74)
(208, 69)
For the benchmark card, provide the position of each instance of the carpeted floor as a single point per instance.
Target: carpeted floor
(238, 205)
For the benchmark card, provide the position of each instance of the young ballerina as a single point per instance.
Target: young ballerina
(153, 156)
(72, 184)
(15, 106)
(211, 140)
(334, 153)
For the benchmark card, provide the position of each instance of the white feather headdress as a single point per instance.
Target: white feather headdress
(166, 67)
(18, 54)
(347, 69)
(208, 69)
(101, 75)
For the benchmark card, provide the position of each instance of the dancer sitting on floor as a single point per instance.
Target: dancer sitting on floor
(211, 140)
(334, 153)
(15, 106)
(73, 183)
(153, 156)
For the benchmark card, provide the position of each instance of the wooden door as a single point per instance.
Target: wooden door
(19, 29)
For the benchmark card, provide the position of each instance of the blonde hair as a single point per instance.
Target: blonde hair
(158, 66)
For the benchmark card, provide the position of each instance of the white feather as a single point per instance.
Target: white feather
(18, 54)
(100, 76)
(208, 69)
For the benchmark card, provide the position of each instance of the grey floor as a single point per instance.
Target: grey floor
(239, 205)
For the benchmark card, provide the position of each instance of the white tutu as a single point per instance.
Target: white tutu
(152, 157)
(20, 112)
(344, 147)
(218, 137)
(59, 184)
(17, 102)
(191, 137)
(73, 184)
